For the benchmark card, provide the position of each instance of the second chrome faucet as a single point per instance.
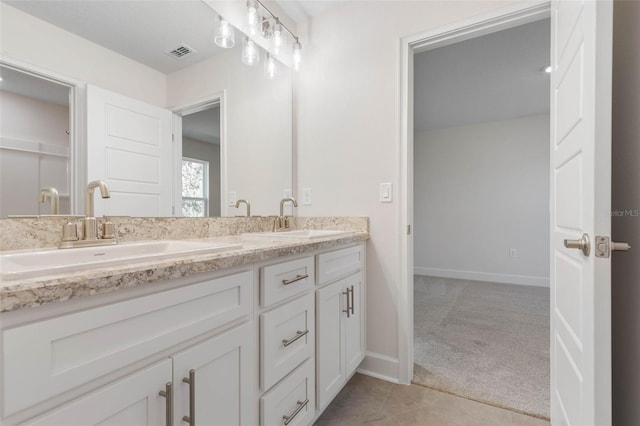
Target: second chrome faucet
(282, 221)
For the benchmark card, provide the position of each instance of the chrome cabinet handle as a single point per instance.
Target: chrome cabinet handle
(301, 405)
(191, 418)
(299, 334)
(582, 244)
(348, 310)
(353, 312)
(293, 280)
(168, 394)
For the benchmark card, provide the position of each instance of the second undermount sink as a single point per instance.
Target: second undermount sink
(29, 264)
(306, 234)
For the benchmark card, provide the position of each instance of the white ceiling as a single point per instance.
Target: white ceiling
(140, 30)
(203, 126)
(494, 77)
(33, 87)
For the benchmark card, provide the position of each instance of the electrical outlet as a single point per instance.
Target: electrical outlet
(306, 196)
(513, 252)
(286, 193)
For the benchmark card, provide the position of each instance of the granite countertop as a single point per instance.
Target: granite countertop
(33, 292)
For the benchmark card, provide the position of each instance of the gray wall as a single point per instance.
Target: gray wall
(481, 190)
(207, 152)
(625, 283)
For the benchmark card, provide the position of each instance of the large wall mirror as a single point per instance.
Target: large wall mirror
(230, 125)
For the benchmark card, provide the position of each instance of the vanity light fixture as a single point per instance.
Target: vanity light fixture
(225, 36)
(250, 52)
(269, 26)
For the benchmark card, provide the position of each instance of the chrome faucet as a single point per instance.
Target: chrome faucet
(282, 220)
(248, 206)
(90, 235)
(52, 193)
(90, 224)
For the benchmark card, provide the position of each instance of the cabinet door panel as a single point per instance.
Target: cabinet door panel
(354, 330)
(330, 330)
(132, 401)
(223, 379)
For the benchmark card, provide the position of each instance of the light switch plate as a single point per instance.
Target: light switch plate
(306, 196)
(386, 192)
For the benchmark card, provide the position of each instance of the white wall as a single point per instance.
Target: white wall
(36, 128)
(258, 124)
(39, 43)
(348, 135)
(479, 191)
(207, 152)
(625, 283)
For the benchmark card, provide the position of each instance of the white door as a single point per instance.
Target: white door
(129, 146)
(580, 200)
(223, 376)
(132, 401)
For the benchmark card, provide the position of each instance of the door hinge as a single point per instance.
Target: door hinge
(604, 247)
(408, 229)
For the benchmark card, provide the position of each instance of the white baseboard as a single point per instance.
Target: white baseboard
(483, 276)
(379, 366)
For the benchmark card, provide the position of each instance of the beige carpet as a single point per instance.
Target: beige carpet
(483, 341)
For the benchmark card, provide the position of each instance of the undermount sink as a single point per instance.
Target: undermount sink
(28, 264)
(307, 234)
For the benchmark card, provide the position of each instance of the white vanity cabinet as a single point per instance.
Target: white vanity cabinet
(68, 362)
(340, 321)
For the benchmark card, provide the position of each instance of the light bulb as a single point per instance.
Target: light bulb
(252, 17)
(278, 39)
(297, 55)
(250, 52)
(225, 35)
(270, 67)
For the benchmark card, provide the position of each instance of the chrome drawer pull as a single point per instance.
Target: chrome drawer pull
(191, 418)
(168, 393)
(293, 280)
(301, 405)
(299, 334)
(353, 311)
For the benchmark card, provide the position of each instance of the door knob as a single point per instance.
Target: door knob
(582, 244)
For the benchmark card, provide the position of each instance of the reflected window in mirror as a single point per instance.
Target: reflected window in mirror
(195, 191)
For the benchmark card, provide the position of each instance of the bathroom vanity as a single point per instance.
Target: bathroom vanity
(265, 334)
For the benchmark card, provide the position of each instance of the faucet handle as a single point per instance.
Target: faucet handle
(70, 232)
(108, 230)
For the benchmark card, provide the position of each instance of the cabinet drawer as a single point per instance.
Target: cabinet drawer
(278, 282)
(49, 357)
(339, 263)
(291, 402)
(287, 338)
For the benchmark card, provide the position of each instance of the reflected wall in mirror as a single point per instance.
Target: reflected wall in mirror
(34, 145)
(128, 54)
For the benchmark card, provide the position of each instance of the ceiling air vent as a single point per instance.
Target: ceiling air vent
(181, 51)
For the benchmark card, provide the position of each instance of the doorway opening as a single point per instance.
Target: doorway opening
(477, 152)
(200, 151)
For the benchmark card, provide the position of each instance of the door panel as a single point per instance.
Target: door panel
(130, 147)
(580, 196)
(354, 337)
(330, 332)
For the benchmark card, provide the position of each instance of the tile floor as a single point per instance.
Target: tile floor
(368, 401)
